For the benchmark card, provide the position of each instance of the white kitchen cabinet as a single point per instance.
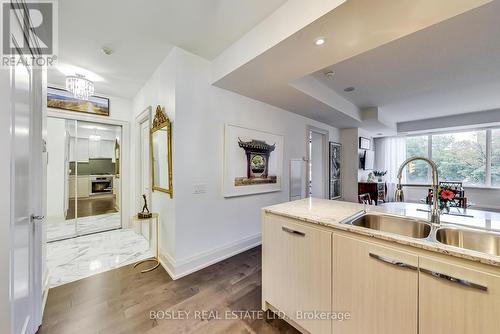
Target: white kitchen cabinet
(377, 285)
(296, 273)
(447, 305)
(81, 153)
(99, 149)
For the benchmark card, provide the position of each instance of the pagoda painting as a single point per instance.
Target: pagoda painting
(253, 161)
(257, 154)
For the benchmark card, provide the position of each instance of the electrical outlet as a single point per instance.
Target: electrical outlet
(199, 188)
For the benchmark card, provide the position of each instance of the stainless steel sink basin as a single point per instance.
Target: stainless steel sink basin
(484, 242)
(398, 225)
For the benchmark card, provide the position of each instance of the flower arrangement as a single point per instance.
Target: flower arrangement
(379, 174)
(445, 196)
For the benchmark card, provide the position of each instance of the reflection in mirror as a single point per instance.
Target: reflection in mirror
(161, 166)
(160, 155)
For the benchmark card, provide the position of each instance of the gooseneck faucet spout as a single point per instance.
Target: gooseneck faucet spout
(399, 195)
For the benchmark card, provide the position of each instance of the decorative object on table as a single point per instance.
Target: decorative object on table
(161, 152)
(156, 259)
(364, 143)
(458, 201)
(253, 161)
(64, 100)
(371, 178)
(379, 174)
(335, 162)
(144, 214)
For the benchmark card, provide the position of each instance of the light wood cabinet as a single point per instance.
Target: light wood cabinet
(296, 271)
(386, 287)
(447, 306)
(377, 285)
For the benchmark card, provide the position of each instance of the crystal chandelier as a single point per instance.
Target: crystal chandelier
(79, 86)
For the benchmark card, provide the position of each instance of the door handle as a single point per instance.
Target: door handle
(393, 262)
(289, 230)
(35, 218)
(454, 279)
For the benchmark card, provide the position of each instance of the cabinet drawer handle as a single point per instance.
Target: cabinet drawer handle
(393, 262)
(454, 279)
(289, 230)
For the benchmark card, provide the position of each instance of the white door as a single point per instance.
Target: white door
(26, 256)
(317, 167)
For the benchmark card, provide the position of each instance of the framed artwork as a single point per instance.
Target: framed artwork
(253, 161)
(364, 143)
(64, 100)
(335, 164)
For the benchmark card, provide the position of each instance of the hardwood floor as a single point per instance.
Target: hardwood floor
(120, 301)
(92, 206)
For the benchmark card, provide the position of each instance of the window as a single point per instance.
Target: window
(460, 156)
(418, 171)
(495, 158)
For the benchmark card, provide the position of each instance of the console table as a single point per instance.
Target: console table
(154, 217)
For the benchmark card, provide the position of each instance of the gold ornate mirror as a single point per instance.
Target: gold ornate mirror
(161, 152)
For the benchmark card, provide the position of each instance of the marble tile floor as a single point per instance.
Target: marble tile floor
(73, 259)
(59, 228)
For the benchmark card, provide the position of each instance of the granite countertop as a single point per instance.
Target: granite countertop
(336, 214)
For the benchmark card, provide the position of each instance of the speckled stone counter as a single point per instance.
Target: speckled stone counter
(336, 214)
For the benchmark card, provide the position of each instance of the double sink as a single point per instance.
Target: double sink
(479, 241)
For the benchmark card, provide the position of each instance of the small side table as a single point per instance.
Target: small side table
(155, 217)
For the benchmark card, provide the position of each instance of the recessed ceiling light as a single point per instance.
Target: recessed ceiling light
(329, 75)
(348, 89)
(379, 134)
(320, 41)
(107, 50)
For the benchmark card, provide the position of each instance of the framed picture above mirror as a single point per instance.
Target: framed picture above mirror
(161, 152)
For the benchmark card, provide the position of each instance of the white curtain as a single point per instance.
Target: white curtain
(390, 154)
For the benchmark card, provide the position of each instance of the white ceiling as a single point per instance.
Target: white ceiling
(449, 68)
(142, 33)
(280, 76)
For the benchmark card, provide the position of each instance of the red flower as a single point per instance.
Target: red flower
(447, 194)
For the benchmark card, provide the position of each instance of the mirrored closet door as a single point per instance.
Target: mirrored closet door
(83, 178)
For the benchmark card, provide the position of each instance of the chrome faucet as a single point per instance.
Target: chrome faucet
(399, 195)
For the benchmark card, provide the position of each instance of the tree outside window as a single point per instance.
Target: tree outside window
(461, 156)
(495, 158)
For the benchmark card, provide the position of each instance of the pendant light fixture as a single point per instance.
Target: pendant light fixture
(79, 86)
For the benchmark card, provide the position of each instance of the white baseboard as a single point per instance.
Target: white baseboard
(178, 269)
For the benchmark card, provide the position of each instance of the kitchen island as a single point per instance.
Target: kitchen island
(340, 267)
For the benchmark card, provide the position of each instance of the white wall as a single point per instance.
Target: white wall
(350, 161)
(56, 172)
(158, 90)
(208, 226)
(318, 166)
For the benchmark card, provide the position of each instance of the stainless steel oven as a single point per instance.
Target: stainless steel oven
(101, 185)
